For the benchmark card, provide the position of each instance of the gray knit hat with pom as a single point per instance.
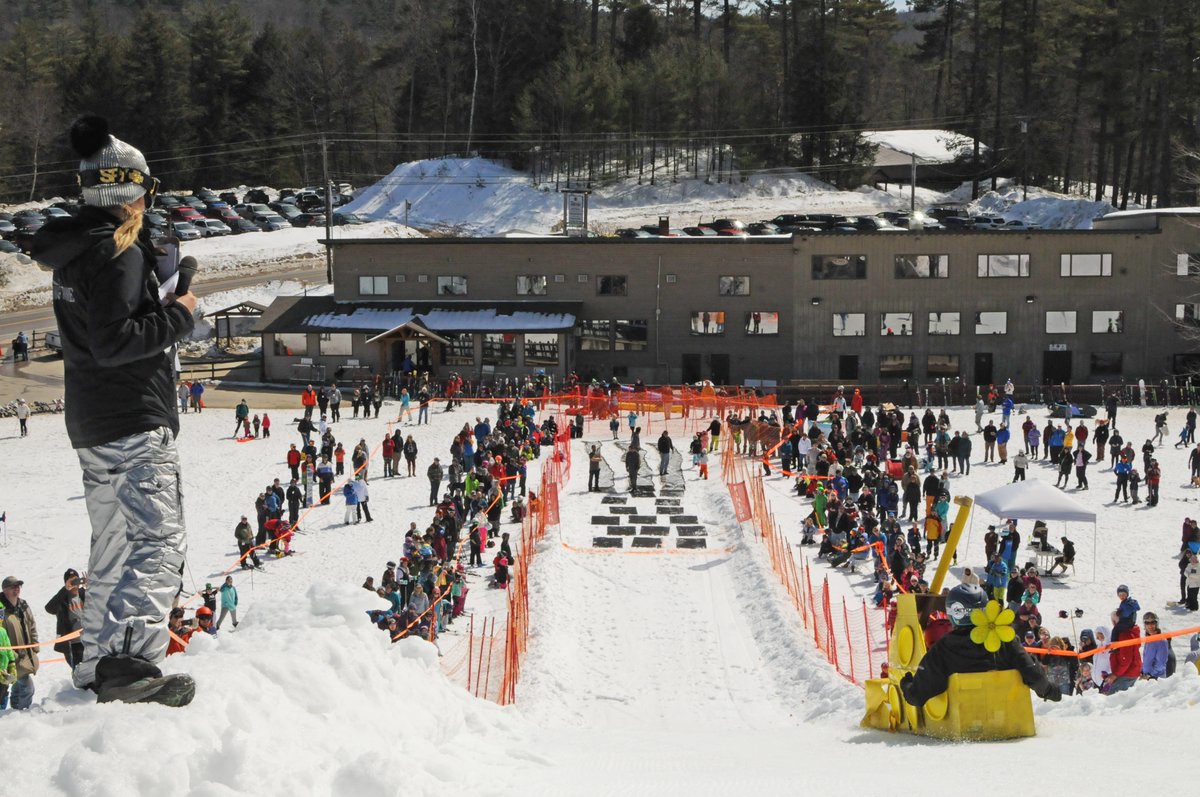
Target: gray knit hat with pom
(111, 172)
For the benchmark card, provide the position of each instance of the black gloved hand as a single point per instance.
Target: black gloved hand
(1054, 694)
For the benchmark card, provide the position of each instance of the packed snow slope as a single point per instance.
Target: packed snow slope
(673, 674)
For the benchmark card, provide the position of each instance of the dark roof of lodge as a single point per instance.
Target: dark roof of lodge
(325, 314)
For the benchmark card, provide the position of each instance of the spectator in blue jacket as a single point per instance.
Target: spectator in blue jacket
(1002, 438)
(997, 577)
(351, 496)
(1154, 654)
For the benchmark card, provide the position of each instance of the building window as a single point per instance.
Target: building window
(632, 335)
(422, 278)
(991, 322)
(849, 325)
(531, 285)
(541, 348)
(734, 286)
(762, 323)
(895, 366)
(1107, 363)
(1188, 314)
(594, 335)
(1187, 265)
(922, 266)
(1108, 321)
(452, 286)
(895, 324)
(1086, 266)
(291, 344)
(839, 267)
(672, 279)
(460, 350)
(499, 348)
(708, 322)
(339, 344)
(944, 323)
(612, 285)
(582, 278)
(937, 365)
(1060, 322)
(560, 277)
(372, 286)
(400, 279)
(1004, 265)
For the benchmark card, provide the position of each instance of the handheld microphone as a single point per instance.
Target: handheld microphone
(187, 269)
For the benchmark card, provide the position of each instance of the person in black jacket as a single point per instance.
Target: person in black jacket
(956, 652)
(67, 608)
(119, 323)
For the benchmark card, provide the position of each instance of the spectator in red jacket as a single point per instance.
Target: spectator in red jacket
(388, 449)
(293, 461)
(1126, 661)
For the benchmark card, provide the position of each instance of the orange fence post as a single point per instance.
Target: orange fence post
(849, 641)
(870, 653)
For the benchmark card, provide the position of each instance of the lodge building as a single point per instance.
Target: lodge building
(1039, 306)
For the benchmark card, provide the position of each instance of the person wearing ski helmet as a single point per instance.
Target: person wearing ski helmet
(957, 652)
(118, 326)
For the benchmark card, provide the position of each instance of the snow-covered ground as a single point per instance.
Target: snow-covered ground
(667, 673)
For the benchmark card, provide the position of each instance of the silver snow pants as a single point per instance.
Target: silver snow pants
(135, 503)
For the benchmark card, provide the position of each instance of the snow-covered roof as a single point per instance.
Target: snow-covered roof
(929, 146)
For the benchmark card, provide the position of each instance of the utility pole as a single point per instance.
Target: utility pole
(912, 190)
(1024, 158)
(328, 210)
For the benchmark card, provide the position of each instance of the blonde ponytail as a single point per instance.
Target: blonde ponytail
(126, 235)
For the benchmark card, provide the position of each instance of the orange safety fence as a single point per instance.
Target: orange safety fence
(851, 635)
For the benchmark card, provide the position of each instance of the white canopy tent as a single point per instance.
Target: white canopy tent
(1035, 500)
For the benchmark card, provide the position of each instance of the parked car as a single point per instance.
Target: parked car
(225, 214)
(27, 226)
(186, 231)
(207, 195)
(897, 217)
(340, 219)
(184, 213)
(874, 224)
(229, 198)
(699, 231)
(1019, 226)
(167, 201)
(946, 211)
(307, 201)
(956, 222)
(310, 220)
(54, 341)
(194, 202)
(287, 210)
(240, 225)
(727, 226)
(257, 195)
(212, 227)
(763, 228)
(253, 211)
(8, 247)
(825, 220)
(625, 232)
(7, 229)
(154, 220)
(270, 222)
(987, 222)
(788, 219)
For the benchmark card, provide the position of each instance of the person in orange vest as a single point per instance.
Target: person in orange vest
(308, 399)
(266, 426)
(856, 403)
(180, 633)
(339, 456)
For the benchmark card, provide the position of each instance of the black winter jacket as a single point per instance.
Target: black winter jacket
(119, 378)
(955, 652)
